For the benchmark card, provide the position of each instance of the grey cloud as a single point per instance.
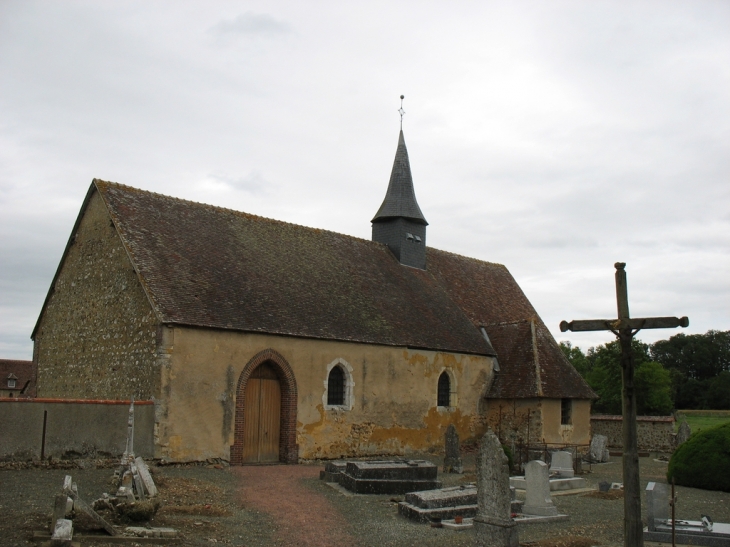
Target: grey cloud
(251, 23)
(252, 183)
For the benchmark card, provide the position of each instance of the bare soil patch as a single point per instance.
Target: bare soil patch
(566, 541)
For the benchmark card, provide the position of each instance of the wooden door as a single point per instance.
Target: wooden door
(262, 413)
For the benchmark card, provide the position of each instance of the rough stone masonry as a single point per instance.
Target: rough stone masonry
(493, 525)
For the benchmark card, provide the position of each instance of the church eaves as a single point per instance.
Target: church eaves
(400, 199)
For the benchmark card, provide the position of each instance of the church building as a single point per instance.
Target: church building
(261, 340)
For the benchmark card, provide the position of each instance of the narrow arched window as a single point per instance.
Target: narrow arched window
(444, 390)
(336, 386)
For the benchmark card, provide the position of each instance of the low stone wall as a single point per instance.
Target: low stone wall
(655, 433)
(75, 428)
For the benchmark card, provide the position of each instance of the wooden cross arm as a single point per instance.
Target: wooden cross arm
(620, 324)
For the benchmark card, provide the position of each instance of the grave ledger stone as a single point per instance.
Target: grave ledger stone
(493, 525)
(389, 477)
(452, 459)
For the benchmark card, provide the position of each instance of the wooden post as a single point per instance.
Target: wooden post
(625, 328)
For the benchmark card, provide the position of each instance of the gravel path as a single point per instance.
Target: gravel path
(288, 505)
(303, 517)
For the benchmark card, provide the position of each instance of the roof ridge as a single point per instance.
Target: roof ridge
(218, 208)
(472, 258)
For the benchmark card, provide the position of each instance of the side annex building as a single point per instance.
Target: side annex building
(261, 340)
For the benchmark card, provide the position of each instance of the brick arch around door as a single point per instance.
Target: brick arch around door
(271, 361)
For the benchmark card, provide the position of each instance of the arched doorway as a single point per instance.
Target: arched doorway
(262, 408)
(266, 412)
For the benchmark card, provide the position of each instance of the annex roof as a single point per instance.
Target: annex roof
(530, 361)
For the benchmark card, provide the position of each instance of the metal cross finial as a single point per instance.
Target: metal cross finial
(401, 111)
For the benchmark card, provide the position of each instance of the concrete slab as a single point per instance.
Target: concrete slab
(691, 532)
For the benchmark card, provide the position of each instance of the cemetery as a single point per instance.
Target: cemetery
(199, 503)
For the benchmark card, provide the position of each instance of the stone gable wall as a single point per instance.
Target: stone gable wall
(97, 335)
(655, 433)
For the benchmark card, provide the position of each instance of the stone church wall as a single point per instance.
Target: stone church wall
(97, 334)
(393, 407)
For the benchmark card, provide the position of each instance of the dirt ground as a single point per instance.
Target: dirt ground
(288, 505)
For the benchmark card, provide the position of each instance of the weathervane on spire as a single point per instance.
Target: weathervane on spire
(401, 111)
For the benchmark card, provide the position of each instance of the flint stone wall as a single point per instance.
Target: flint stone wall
(74, 429)
(97, 335)
(655, 433)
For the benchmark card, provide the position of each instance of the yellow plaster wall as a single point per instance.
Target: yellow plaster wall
(394, 396)
(578, 432)
(508, 418)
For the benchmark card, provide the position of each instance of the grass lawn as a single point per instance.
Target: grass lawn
(697, 422)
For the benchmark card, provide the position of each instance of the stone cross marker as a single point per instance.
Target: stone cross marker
(625, 327)
(493, 524)
(452, 460)
(537, 490)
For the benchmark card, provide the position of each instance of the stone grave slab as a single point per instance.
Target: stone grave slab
(562, 464)
(390, 477)
(145, 476)
(444, 503)
(333, 471)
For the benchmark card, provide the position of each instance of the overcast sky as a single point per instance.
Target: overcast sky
(553, 137)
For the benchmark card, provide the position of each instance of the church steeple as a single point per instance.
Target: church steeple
(399, 223)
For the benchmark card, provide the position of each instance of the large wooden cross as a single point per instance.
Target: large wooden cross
(625, 328)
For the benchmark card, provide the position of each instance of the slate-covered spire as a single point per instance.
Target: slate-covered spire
(400, 199)
(399, 223)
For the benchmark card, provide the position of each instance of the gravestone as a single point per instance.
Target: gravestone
(493, 525)
(145, 476)
(657, 504)
(562, 464)
(604, 486)
(390, 477)
(686, 532)
(683, 433)
(452, 460)
(538, 500)
(599, 449)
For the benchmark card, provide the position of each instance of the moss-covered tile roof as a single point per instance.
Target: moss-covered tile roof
(212, 267)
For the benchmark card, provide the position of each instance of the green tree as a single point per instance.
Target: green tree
(653, 389)
(700, 368)
(698, 356)
(601, 367)
(576, 357)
